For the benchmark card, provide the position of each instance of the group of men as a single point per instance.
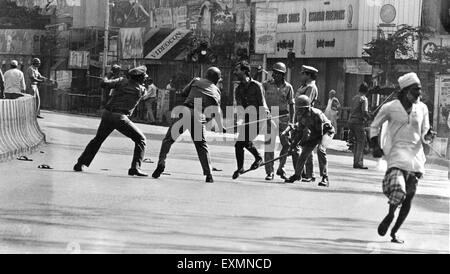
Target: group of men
(15, 81)
(300, 127)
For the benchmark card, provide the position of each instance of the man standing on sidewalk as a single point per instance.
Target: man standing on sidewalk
(128, 93)
(249, 94)
(280, 94)
(32, 78)
(408, 127)
(208, 94)
(311, 125)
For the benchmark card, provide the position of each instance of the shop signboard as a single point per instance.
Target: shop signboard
(265, 30)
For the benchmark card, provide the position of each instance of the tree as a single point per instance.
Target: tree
(383, 51)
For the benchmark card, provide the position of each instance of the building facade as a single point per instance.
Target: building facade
(331, 36)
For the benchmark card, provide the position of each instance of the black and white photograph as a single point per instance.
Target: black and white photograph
(233, 127)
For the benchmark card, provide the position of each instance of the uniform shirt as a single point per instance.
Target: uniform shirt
(281, 97)
(310, 90)
(403, 136)
(14, 81)
(33, 76)
(314, 120)
(251, 94)
(360, 109)
(126, 96)
(202, 89)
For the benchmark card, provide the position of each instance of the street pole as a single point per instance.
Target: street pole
(263, 74)
(106, 42)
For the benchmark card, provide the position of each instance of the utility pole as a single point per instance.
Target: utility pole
(263, 75)
(106, 42)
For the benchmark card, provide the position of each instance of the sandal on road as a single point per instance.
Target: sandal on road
(24, 158)
(44, 167)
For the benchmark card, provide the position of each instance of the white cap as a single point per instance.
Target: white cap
(310, 69)
(408, 79)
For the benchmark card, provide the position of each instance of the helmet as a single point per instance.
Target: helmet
(36, 61)
(280, 67)
(116, 68)
(302, 101)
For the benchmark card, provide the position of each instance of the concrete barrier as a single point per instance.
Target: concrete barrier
(19, 131)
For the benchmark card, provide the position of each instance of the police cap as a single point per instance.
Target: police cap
(309, 69)
(138, 71)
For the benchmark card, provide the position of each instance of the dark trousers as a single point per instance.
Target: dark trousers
(306, 154)
(199, 141)
(115, 121)
(246, 136)
(360, 143)
(269, 153)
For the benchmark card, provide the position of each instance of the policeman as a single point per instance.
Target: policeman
(279, 94)
(311, 125)
(208, 94)
(128, 93)
(309, 88)
(249, 93)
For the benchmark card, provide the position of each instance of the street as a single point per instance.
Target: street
(105, 211)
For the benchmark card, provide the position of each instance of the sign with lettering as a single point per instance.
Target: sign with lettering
(167, 44)
(79, 59)
(322, 44)
(265, 30)
(131, 42)
(313, 15)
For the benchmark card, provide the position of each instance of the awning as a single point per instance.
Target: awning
(165, 44)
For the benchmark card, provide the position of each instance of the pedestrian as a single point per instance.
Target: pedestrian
(308, 77)
(127, 94)
(332, 110)
(115, 73)
(359, 115)
(311, 125)
(32, 78)
(279, 94)
(150, 100)
(2, 85)
(249, 93)
(204, 90)
(408, 127)
(14, 79)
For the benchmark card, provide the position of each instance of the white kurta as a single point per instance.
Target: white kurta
(402, 141)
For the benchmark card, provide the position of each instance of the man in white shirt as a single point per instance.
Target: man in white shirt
(408, 127)
(14, 79)
(150, 99)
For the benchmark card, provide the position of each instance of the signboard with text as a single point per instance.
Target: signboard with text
(79, 59)
(265, 30)
(168, 43)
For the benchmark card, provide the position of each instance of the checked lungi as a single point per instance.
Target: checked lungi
(397, 184)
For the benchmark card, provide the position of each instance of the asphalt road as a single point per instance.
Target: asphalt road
(105, 211)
